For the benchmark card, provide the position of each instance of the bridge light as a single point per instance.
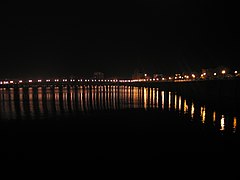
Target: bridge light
(223, 71)
(193, 75)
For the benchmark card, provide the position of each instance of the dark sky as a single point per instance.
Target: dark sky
(119, 38)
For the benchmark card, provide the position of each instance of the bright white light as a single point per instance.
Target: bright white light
(215, 74)
(157, 79)
(30, 81)
(11, 82)
(223, 72)
(193, 75)
(0, 82)
(48, 80)
(39, 80)
(169, 78)
(20, 81)
(5, 82)
(145, 75)
(163, 79)
(235, 72)
(204, 74)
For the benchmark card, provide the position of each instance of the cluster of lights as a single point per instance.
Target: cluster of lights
(176, 77)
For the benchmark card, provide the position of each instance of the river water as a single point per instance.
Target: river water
(111, 118)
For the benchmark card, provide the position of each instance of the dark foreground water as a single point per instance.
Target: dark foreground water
(111, 120)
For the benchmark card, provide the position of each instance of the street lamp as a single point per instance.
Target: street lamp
(223, 72)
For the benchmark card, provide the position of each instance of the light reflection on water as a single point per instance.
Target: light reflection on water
(41, 102)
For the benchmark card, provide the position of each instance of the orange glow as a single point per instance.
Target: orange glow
(20, 81)
(193, 75)
(203, 114)
(223, 72)
(234, 124)
(214, 116)
(192, 111)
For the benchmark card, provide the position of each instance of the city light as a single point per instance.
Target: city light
(223, 72)
(30, 81)
(215, 74)
(39, 80)
(193, 75)
(235, 72)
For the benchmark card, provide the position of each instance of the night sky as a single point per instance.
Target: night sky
(120, 38)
